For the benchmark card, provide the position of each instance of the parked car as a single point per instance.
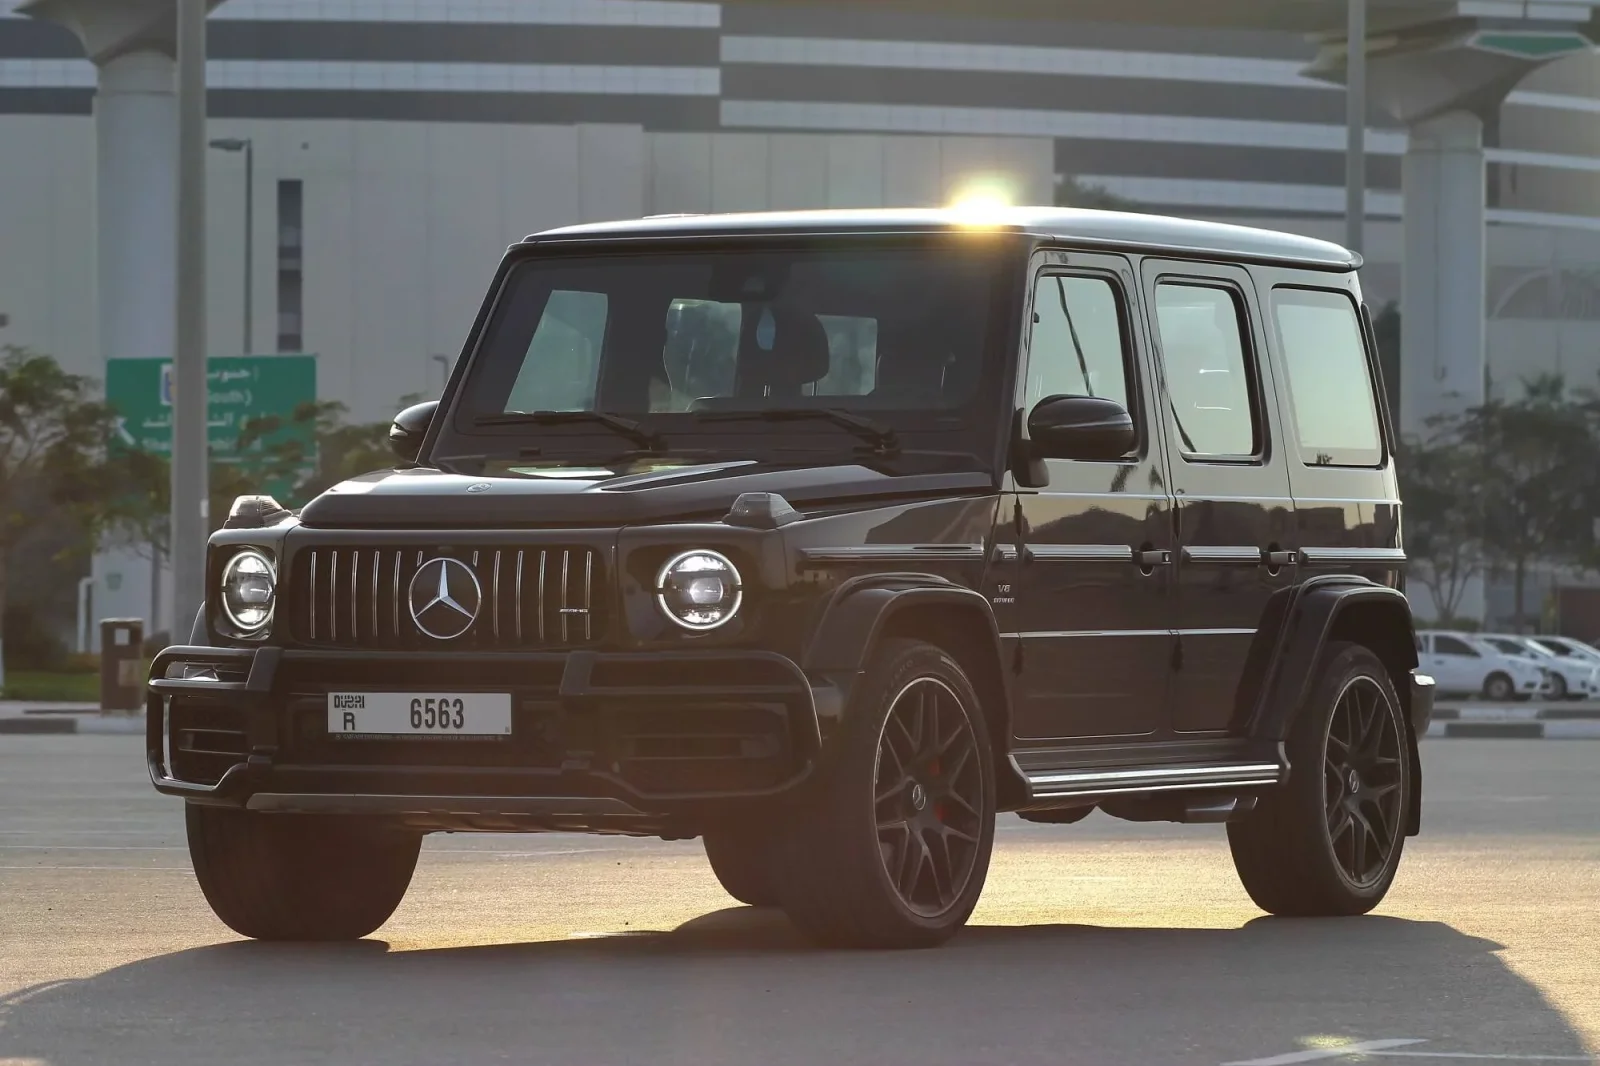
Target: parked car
(1571, 677)
(1569, 647)
(825, 537)
(1464, 664)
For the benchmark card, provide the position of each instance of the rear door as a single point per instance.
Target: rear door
(1236, 530)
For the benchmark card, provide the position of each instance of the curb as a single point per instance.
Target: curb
(1524, 729)
(57, 725)
(1516, 714)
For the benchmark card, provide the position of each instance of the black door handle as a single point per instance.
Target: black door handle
(1278, 560)
(1149, 560)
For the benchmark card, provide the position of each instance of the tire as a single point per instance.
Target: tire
(1498, 687)
(1314, 846)
(299, 877)
(744, 861)
(908, 786)
(1558, 687)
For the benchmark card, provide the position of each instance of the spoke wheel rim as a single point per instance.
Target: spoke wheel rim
(928, 797)
(1363, 774)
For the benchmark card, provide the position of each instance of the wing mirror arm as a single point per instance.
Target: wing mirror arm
(1027, 466)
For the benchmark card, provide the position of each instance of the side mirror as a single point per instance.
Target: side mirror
(408, 429)
(1080, 427)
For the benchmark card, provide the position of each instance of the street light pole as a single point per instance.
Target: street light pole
(248, 147)
(190, 520)
(1355, 156)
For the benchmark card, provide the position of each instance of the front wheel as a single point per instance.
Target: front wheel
(1498, 687)
(892, 846)
(743, 860)
(299, 876)
(1558, 687)
(1329, 841)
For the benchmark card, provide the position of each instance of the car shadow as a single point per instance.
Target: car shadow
(740, 986)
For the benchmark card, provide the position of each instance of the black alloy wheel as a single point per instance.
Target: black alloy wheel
(1328, 841)
(928, 797)
(1362, 778)
(888, 847)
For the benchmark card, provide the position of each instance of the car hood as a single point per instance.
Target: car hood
(535, 497)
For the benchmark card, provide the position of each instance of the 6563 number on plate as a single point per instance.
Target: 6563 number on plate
(421, 714)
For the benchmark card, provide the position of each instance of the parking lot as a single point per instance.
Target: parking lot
(1097, 943)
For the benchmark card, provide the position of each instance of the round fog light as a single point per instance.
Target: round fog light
(699, 590)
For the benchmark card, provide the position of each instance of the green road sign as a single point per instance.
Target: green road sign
(242, 388)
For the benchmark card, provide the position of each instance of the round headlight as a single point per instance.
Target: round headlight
(249, 588)
(699, 590)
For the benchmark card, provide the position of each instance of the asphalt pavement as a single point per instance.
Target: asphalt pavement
(1100, 943)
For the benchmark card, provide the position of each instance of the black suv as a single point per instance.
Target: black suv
(826, 537)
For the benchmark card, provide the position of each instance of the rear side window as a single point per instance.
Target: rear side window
(1209, 383)
(1330, 377)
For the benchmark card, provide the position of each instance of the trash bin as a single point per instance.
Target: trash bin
(121, 664)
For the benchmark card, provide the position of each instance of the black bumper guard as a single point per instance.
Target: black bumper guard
(261, 697)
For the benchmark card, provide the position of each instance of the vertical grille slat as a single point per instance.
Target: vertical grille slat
(340, 592)
(543, 557)
(517, 603)
(311, 599)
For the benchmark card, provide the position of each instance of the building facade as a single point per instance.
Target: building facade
(399, 145)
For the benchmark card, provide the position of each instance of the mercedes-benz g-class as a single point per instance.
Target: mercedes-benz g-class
(827, 537)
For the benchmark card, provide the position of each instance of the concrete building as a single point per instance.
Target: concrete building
(399, 145)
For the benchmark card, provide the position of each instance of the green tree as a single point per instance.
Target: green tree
(55, 468)
(1070, 192)
(1444, 525)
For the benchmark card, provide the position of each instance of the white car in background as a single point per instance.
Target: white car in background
(1569, 646)
(1464, 664)
(1571, 677)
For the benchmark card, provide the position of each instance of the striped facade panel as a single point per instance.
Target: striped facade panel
(1220, 120)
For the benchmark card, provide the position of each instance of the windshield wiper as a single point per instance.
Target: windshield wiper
(884, 440)
(623, 427)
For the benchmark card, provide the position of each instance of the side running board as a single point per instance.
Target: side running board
(1054, 784)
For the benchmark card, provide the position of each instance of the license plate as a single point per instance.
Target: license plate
(442, 715)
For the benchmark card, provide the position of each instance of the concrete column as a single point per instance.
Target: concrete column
(1442, 291)
(136, 183)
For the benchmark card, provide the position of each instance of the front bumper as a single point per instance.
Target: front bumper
(625, 742)
(1423, 688)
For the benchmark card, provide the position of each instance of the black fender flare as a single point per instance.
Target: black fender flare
(1307, 618)
(198, 638)
(856, 616)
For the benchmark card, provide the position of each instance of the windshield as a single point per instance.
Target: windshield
(676, 342)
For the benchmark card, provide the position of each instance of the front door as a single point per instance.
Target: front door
(1236, 532)
(1093, 588)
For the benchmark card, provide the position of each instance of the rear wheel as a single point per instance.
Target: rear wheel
(743, 860)
(1329, 841)
(297, 876)
(892, 847)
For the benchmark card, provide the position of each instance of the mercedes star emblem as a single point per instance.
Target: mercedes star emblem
(445, 598)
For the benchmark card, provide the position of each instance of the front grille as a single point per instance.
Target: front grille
(544, 597)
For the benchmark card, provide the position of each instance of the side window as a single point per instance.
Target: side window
(1078, 346)
(1330, 377)
(562, 366)
(852, 356)
(1209, 380)
(1453, 646)
(701, 353)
